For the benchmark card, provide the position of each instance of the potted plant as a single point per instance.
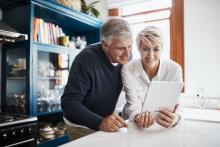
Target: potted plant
(90, 8)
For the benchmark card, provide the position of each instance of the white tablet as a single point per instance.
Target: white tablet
(162, 94)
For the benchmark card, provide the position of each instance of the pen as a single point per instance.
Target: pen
(175, 108)
(156, 111)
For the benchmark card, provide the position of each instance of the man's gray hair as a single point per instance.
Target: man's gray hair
(150, 35)
(115, 28)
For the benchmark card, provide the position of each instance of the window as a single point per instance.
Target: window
(145, 6)
(151, 13)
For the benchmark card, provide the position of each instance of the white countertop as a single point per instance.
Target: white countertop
(187, 134)
(208, 115)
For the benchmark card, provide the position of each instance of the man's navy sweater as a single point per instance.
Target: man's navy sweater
(93, 88)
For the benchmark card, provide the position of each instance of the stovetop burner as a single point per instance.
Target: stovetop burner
(11, 119)
(6, 118)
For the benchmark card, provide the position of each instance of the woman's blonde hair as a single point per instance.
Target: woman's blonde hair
(150, 35)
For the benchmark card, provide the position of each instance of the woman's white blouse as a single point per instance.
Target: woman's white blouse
(136, 83)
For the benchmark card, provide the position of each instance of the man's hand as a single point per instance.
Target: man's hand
(144, 119)
(112, 123)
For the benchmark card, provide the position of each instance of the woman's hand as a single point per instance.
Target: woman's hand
(144, 119)
(167, 118)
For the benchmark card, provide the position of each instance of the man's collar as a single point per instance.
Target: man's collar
(114, 64)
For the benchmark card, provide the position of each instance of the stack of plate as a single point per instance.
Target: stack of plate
(47, 133)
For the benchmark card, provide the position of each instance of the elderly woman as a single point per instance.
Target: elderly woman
(137, 75)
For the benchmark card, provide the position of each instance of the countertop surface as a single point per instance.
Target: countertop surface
(188, 133)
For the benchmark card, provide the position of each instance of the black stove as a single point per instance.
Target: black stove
(18, 130)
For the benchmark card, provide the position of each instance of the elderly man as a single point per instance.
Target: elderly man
(94, 83)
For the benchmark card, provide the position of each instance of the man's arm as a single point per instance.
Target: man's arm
(78, 84)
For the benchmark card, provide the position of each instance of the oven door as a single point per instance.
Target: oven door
(20, 135)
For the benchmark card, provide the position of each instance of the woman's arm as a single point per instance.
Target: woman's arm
(169, 118)
(133, 104)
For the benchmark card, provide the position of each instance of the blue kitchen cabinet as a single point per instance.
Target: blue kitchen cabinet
(34, 73)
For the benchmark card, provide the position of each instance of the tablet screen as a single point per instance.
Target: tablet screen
(162, 94)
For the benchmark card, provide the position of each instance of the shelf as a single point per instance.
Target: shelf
(66, 14)
(52, 112)
(54, 48)
(16, 78)
(55, 142)
(47, 98)
(49, 78)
